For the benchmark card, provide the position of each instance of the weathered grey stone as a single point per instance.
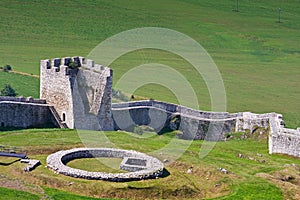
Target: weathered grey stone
(143, 166)
(194, 124)
(82, 98)
(90, 63)
(31, 164)
(26, 113)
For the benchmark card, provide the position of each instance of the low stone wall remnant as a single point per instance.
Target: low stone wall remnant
(153, 167)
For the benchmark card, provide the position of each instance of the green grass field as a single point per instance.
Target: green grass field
(257, 57)
(247, 178)
(23, 85)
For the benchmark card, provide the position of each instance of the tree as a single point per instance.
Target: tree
(8, 91)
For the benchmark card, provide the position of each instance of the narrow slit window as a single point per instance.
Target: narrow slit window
(64, 117)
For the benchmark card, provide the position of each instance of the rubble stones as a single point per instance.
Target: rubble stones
(31, 164)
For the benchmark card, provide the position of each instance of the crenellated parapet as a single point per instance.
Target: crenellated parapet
(67, 64)
(79, 89)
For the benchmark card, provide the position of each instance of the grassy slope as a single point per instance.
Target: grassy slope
(14, 194)
(49, 193)
(23, 85)
(241, 181)
(258, 58)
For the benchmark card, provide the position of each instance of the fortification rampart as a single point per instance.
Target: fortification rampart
(22, 99)
(194, 124)
(174, 108)
(283, 140)
(25, 114)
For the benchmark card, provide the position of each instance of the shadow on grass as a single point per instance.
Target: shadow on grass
(9, 163)
(10, 129)
(42, 126)
(165, 173)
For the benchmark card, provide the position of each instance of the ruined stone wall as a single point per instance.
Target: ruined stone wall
(174, 108)
(283, 140)
(251, 121)
(128, 117)
(80, 95)
(25, 115)
(194, 124)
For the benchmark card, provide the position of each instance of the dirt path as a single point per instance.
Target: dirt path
(25, 74)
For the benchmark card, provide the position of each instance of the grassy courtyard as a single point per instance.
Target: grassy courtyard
(247, 178)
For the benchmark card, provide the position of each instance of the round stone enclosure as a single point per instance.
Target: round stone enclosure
(139, 165)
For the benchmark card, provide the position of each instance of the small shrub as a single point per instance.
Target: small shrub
(138, 130)
(6, 68)
(73, 65)
(8, 91)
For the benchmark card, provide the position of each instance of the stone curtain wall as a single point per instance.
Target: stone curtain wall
(174, 108)
(81, 96)
(283, 140)
(194, 124)
(25, 113)
(23, 99)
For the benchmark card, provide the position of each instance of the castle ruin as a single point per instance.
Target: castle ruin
(76, 93)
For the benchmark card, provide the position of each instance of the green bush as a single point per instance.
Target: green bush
(6, 68)
(73, 65)
(8, 91)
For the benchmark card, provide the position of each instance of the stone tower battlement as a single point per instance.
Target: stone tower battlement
(62, 64)
(79, 90)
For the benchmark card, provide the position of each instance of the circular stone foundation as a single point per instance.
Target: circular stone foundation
(139, 165)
